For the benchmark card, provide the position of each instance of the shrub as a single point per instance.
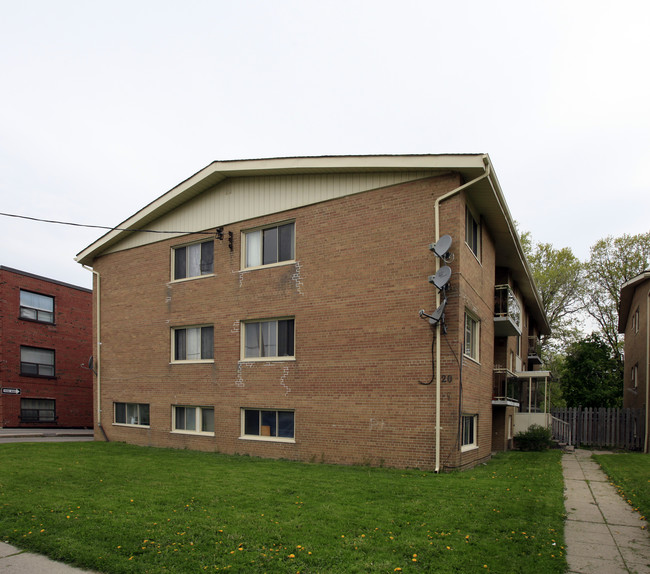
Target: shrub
(536, 437)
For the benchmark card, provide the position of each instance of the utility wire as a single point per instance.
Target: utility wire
(103, 226)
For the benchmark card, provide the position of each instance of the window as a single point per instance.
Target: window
(472, 233)
(635, 376)
(471, 336)
(36, 362)
(635, 321)
(269, 245)
(36, 307)
(193, 344)
(37, 411)
(193, 260)
(268, 339)
(267, 424)
(132, 414)
(468, 432)
(193, 419)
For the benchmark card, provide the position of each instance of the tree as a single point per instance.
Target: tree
(612, 262)
(558, 274)
(592, 375)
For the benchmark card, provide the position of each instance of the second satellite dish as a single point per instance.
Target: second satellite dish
(441, 278)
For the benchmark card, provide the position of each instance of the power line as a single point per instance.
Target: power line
(103, 226)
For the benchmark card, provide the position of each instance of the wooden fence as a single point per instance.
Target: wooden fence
(604, 427)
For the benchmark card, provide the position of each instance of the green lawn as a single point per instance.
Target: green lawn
(630, 473)
(120, 508)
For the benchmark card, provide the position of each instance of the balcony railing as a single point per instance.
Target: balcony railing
(507, 313)
(534, 351)
(504, 388)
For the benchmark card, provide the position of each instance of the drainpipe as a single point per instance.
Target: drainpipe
(437, 203)
(98, 362)
(647, 369)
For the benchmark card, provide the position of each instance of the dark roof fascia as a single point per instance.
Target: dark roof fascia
(627, 294)
(47, 279)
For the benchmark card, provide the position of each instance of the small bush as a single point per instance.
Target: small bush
(535, 438)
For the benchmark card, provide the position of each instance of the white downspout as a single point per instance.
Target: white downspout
(438, 342)
(98, 362)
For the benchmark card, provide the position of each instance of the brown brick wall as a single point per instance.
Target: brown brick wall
(635, 350)
(71, 338)
(359, 279)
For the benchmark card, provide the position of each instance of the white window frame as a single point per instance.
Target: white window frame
(200, 273)
(264, 437)
(249, 323)
(465, 443)
(187, 328)
(475, 334)
(635, 321)
(199, 418)
(247, 240)
(135, 408)
(635, 376)
(470, 221)
(40, 365)
(42, 313)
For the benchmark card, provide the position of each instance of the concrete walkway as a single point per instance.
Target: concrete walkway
(603, 533)
(45, 435)
(16, 561)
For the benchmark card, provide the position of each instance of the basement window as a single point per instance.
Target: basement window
(468, 432)
(268, 424)
(131, 414)
(194, 420)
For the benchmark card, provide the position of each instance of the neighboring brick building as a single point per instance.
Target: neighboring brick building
(45, 337)
(634, 322)
(290, 326)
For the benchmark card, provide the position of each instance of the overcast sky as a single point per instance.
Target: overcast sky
(106, 105)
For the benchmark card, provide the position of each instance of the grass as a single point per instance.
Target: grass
(630, 473)
(118, 508)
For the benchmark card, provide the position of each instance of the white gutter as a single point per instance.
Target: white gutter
(438, 342)
(98, 362)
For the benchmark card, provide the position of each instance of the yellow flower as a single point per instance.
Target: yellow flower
(292, 555)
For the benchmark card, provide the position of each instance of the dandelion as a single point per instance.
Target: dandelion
(292, 555)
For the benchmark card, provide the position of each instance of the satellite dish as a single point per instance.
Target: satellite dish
(438, 313)
(442, 276)
(441, 246)
(91, 364)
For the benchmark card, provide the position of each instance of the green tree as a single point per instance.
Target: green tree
(559, 277)
(612, 262)
(592, 375)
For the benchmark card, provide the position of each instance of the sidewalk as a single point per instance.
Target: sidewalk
(16, 561)
(44, 435)
(603, 533)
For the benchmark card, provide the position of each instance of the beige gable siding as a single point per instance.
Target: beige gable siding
(239, 199)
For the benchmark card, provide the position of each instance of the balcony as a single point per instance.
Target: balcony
(507, 313)
(504, 388)
(534, 351)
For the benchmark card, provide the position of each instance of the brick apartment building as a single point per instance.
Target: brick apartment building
(45, 337)
(634, 323)
(282, 318)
